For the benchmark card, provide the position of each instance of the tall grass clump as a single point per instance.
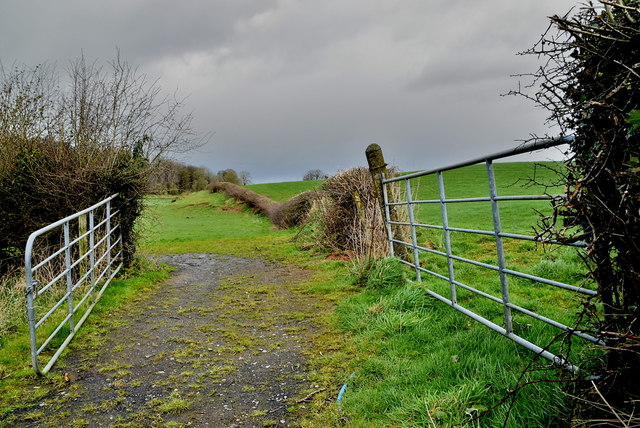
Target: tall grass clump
(379, 273)
(11, 305)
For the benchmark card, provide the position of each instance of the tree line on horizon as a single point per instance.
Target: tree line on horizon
(172, 177)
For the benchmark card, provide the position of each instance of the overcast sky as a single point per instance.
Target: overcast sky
(286, 86)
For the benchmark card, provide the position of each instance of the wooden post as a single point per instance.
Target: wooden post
(378, 169)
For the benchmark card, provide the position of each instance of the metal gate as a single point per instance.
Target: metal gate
(418, 253)
(68, 265)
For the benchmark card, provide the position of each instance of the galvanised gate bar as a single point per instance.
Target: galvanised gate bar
(68, 265)
(416, 250)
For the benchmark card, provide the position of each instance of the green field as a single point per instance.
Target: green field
(514, 178)
(408, 359)
(175, 224)
(284, 191)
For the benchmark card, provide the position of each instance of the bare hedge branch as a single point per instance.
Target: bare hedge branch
(590, 85)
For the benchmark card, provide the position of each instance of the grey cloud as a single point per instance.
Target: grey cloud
(143, 29)
(291, 85)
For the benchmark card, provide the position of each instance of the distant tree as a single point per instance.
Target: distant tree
(199, 179)
(245, 177)
(163, 176)
(229, 176)
(173, 177)
(185, 179)
(315, 174)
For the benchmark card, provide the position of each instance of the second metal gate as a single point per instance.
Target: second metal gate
(419, 252)
(68, 265)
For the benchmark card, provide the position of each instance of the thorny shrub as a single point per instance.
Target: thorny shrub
(590, 84)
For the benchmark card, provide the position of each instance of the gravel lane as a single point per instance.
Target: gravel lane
(221, 344)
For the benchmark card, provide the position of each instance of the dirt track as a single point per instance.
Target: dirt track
(220, 344)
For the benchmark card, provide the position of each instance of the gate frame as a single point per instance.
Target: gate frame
(32, 290)
(497, 233)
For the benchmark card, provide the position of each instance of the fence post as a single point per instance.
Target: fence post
(378, 170)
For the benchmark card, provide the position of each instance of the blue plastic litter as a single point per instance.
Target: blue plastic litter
(342, 391)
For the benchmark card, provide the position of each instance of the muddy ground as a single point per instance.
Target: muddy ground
(221, 344)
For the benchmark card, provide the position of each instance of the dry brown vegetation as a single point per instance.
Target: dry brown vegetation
(349, 215)
(282, 214)
(260, 203)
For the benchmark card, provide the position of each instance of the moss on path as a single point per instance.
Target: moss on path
(221, 344)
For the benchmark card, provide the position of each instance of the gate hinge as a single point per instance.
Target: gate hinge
(33, 288)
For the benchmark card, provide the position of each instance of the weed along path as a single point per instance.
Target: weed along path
(222, 343)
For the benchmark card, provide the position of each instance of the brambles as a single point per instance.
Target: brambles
(296, 210)
(282, 214)
(254, 200)
(589, 83)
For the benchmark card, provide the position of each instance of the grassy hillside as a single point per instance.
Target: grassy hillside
(284, 191)
(174, 225)
(512, 178)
